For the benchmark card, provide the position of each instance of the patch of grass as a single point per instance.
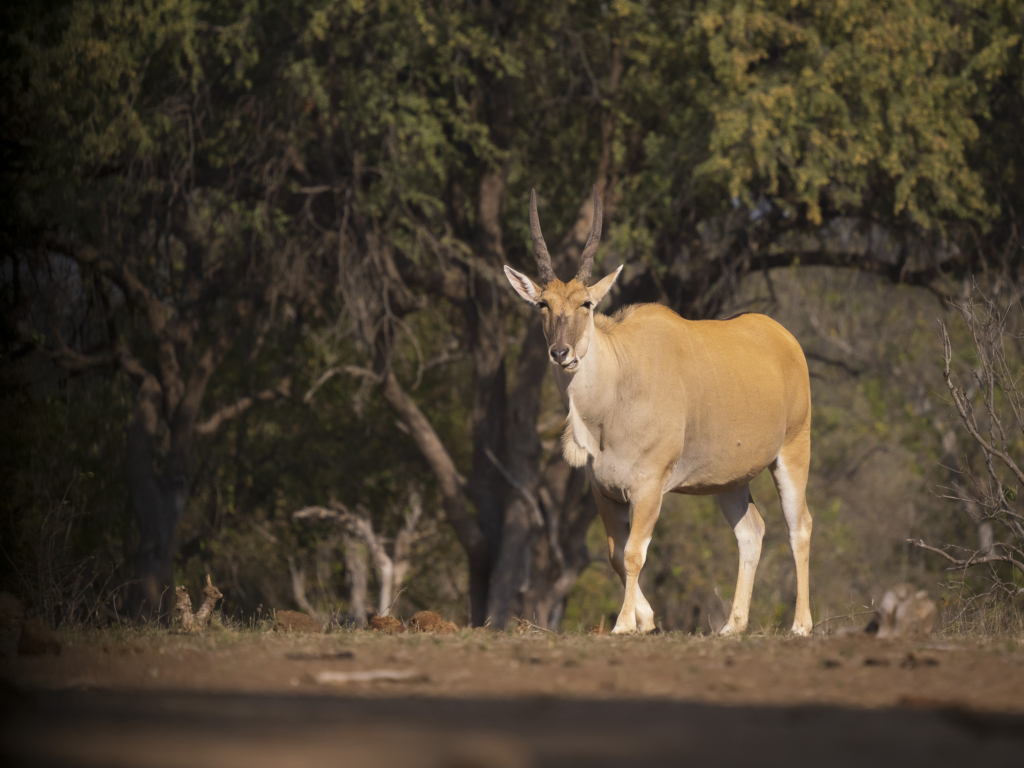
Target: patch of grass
(981, 615)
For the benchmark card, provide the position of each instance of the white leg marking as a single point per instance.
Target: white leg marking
(794, 507)
(644, 612)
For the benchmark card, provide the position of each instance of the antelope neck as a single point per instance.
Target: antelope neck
(588, 388)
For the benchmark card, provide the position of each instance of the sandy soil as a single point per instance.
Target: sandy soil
(848, 671)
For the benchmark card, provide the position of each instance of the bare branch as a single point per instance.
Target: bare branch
(322, 379)
(134, 367)
(553, 524)
(966, 416)
(298, 574)
(366, 373)
(538, 518)
(449, 282)
(391, 569)
(317, 513)
(449, 480)
(236, 409)
(360, 523)
(894, 272)
(118, 273)
(137, 293)
(851, 370)
(79, 362)
(963, 564)
(407, 534)
(836, 618)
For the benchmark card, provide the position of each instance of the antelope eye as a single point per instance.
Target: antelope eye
(542, 305)
(587, 304)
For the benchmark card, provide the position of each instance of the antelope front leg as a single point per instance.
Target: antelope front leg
(646, 508)
(615, 516)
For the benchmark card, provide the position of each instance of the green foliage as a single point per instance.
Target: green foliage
(815, 104)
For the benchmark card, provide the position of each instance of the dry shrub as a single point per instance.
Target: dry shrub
(428, 621)
(986, 384)
(293, 621)
(387, 624)
(56, 581)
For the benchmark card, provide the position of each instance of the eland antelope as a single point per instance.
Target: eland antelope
(658, 403)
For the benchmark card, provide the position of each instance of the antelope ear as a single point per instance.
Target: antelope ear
(600, 288)
(524, 286)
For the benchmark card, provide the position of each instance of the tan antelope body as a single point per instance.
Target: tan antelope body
(658, 403)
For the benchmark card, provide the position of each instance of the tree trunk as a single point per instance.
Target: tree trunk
(156, 503)
(156, 515)
(157, 500)
(356, 572)
(518, 483)
(485, 312)
(560, 555)
(386, 576)
(450, 483)
(986, 538)
(298, 574)
(479, 589)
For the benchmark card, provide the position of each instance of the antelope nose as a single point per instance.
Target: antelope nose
(558, 354)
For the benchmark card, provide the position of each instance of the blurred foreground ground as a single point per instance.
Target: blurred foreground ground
(484, 699)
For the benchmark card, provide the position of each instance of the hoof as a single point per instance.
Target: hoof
(655, 631)
(800, 631)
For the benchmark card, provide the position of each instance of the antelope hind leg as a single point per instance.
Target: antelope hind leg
(746, 523)
(790, 474)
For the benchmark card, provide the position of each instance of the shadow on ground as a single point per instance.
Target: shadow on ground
(189, 729)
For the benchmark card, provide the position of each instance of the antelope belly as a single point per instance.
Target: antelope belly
(715, 469)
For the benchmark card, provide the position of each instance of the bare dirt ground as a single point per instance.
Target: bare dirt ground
(479, 693)
(855, 671)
